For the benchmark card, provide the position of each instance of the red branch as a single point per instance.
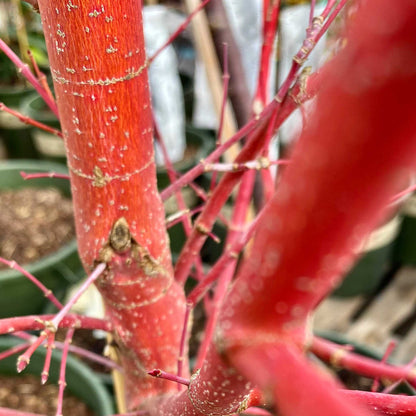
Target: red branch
(99, 67)
(37, 323)
(338, 356)
(351, 158)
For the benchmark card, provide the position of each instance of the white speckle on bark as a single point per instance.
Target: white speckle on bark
(71, 6)
(257, 285)
(111, 49)
(281, 307)
(272, 259)
(305, 284)
(297, 311)
(95, 13)
(58, 49)
(60, 33)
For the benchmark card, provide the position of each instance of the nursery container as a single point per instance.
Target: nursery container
(48, 145)
(81, 381)
(19, 296)
(199, 144)
(376, 257)
(405, 248)
(16, 135)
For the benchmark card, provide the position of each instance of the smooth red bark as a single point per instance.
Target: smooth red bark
(354, 154)
(99, 69)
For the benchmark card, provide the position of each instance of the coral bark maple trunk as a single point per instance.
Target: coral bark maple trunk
(99, 69)
(355, 153)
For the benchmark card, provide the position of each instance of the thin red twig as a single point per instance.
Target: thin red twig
(52, 325)
(24, 69)
(48, 294)
(62, 371)
(40, 75)
(26, 176)
(168, 376)
(339, 356)
(37, 323)
(180, 29)
(49, 347)
(27, 120)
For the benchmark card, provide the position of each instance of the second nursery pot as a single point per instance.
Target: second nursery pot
(81, 381)
(19, 296)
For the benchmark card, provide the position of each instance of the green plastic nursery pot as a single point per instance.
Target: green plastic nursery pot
(369, 271)
(16, 135)
(81, 381)
(405, 248)
(48, 145)
(199, 144)
(19, 296)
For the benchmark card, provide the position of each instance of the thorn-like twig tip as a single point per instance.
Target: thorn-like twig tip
(155, 373)
(22, 363)
(44, 377)
(167, 376)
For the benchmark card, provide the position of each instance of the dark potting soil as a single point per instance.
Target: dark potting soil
(26, 393)
(34, 222)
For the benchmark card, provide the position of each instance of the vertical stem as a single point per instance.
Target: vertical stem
(99, 70)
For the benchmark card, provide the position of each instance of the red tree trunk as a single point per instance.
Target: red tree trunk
(342, 174)
(357, 149)
(99, 69)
